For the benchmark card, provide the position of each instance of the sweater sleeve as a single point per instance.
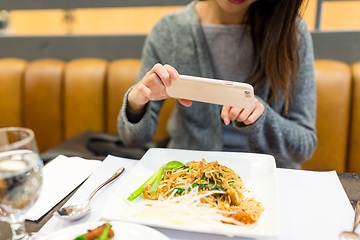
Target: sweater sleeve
(141, 132)
(291, 138)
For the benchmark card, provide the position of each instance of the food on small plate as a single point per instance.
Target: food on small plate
(103, 232)
(201, 188)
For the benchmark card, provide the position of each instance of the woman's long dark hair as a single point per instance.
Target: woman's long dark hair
(274, 32)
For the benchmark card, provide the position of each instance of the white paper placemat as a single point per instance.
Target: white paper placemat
(313, 205)
(60, 177)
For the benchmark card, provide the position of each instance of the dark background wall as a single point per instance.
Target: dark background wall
(341, 45)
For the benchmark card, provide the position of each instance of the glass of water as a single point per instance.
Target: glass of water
(20, 177)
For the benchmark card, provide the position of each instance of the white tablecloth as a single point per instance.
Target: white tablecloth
(313, 205)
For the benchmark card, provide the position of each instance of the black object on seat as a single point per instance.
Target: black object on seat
(98, 145)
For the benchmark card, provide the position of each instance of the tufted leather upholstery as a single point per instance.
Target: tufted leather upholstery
(11, 95)
(86, 110)
(42, 107)
(122, 74)
(354, 146)
(59, 100)
(333, 83)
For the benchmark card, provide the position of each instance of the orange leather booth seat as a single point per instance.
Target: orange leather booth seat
(59, 100)
(354, 146)
(333, 84)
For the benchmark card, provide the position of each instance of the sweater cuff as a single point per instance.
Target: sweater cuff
(134, 117)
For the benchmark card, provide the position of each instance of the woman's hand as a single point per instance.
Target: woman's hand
(247, 116)
(153, 87)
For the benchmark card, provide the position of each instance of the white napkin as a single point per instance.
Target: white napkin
(107, 168)
(60, 177)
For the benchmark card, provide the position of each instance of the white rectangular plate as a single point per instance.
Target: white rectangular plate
(258, 171)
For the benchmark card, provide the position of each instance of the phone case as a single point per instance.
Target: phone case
(212, 91)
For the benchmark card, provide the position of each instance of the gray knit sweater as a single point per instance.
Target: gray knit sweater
(178, 39)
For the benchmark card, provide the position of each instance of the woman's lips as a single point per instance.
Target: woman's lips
(236, 1)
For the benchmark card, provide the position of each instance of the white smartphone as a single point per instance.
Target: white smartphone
(214, 91)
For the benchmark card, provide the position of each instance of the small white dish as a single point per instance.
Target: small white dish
(122, 230)
(258, 171)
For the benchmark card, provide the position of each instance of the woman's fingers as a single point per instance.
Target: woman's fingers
(247, 116)
(185, 102)
(230, 113)
(174, 75)
(253, 116)
(151, 87)
(225, 114)
(162, 72)
(155, 84)
(256, 113)
(165, 73)
(243, 115)
(236, 113)
(155, 81)
(146, 91)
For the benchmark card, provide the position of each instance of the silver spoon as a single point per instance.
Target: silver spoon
(75, 212)
(352, 235)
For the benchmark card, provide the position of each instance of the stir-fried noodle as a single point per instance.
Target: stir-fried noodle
(224, 187)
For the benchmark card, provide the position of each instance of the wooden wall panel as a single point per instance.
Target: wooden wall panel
(336, 15)
(139, 20)
(37, 22)
(309, 13)
(340, 15)
(131, 20)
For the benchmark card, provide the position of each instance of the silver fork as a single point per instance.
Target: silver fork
(352, 235)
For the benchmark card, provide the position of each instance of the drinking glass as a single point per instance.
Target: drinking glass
(20, 177)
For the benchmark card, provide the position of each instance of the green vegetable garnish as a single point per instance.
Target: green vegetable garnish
(105, 233)
(103, 236)
(179, 190)
(155, 179)
(82, 237)
(210, 186)
(218, 187)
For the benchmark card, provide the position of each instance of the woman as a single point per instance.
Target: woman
(264, 43)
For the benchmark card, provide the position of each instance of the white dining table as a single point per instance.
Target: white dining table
(313, 204)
